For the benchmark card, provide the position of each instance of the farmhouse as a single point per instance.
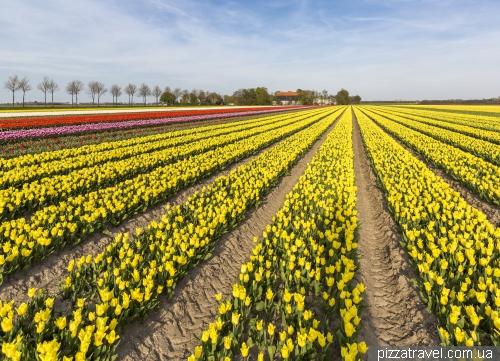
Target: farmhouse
(288, 98)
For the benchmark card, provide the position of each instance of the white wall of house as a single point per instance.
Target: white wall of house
(324, 101)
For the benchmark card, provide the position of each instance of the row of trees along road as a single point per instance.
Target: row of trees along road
(250, 96)
(94, 89)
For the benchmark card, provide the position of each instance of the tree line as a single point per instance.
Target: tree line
(250, 96)
(193, 97)
(261, 96)
(94, 89)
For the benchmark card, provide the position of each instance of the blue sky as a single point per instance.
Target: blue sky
(381, 50)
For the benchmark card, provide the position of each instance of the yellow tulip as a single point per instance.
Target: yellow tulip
(244, 349)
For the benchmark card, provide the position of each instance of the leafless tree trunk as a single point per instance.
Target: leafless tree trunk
(70, 89)
(100, 90)
(131, 89)
(91, 90)
(79, 86)
(24, 85)
(53, 87)
(157, 92)
(144, 91)
(44, 86)
(12, 84)
(116, 91)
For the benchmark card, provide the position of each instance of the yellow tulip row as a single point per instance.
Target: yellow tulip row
(475, 173)
(51, 189)
(122, 283)
(484, 149)
(305, 262)
(492, 110)
(76, 153)
(472, 126)
(70, 220)
(484, 119)
(106, 153)
(452, 245)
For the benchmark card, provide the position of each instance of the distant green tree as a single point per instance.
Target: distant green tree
(168, 96)
(245, 96)
(356, 99)
(343, 97)
(262, 96)
(193, 97)
(306, 97)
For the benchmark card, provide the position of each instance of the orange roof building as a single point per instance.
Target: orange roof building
(288, 98)
(287, 94)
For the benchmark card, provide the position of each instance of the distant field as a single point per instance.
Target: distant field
(467, 109)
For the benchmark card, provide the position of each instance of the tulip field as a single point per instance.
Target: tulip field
(296, 287)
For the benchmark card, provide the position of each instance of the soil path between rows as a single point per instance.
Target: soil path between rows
(171, 332)
(491, 211)
(395, 314)
(47, 273)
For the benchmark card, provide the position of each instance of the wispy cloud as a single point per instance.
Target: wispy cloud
(379, 49)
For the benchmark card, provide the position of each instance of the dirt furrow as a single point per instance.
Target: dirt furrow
(171, 332)
(49, 272)
(395, 314)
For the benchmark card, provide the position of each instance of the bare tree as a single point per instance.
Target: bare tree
(78, 88)
(144, 91)
(157, 92)
(53, 87)
(70, 89)
(44, 86)
(100, 90)
(12, 84)
(131, 89)
(116, 91)
(95, 88)
(177, 93)
(91, 90)
(24, 85)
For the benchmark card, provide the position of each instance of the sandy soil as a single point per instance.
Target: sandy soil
(395, 314)
(170, 333)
